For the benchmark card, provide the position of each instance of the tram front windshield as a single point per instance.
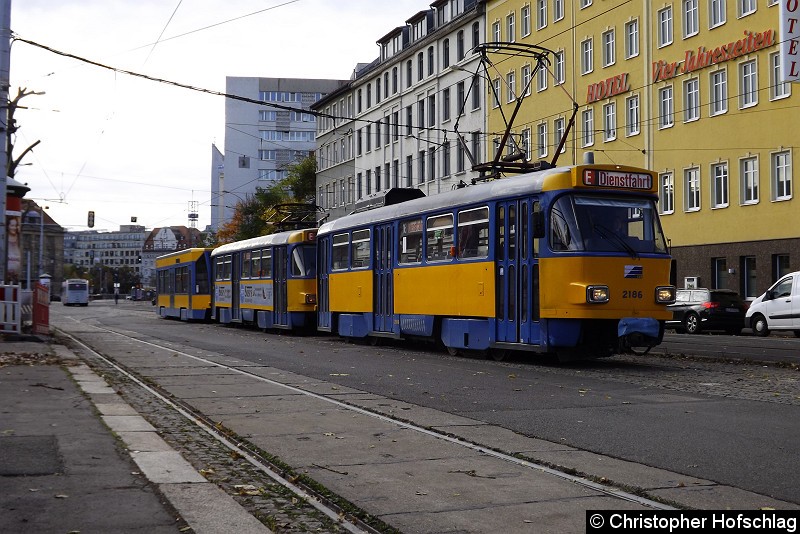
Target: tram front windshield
(589, 223)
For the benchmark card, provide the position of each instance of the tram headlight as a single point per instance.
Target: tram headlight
(665, 294)
(597, 294)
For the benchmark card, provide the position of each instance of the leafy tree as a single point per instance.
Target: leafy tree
(301, 179)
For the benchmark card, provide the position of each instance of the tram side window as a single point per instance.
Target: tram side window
(360, 249)
(182, 280)
(341, 244)
(266, 263)
(224, 268)
(303, 261)
(411, 241)
(473, 233)
(438, 237)
(247, 263)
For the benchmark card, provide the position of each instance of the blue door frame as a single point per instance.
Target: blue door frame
(383, 292)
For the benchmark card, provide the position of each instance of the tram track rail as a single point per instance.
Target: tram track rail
(312, 494)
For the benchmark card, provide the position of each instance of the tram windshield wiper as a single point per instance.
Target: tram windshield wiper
(607, 234)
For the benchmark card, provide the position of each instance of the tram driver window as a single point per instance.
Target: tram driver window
(439, 237)
(411, 241)
(360, 249)
(473, 233)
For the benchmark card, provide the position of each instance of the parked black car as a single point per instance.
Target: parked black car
(697, 310)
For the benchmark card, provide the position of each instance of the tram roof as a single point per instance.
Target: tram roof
(466, 196)
(280, 238)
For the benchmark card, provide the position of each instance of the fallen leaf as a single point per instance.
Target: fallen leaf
(61, 496)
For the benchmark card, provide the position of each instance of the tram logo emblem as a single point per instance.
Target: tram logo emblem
(634, 271)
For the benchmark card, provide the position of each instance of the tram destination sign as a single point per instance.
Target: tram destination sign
(617, 179)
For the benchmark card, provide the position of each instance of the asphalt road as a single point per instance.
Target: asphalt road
(722, 415)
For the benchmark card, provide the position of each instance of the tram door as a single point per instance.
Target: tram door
(383, 290)
(323, 270)
(517, 273)
(236, 278)
(280, 315)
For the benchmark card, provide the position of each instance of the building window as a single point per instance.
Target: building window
(691, 184)
(525, 19)
(720, 270)
(432, 163)
(421, 167)
(409, 171)
(460, 52)
(460, 96)
(496, 92)
(409, 74)
(748, 269)
(587, 119)
(716, 13)
(421, 114)
(781, 175)
(460, 157)
(446, 159)
(394, 80)
(691, 18)
(558, 133)
(691, 100)
(386, 84)
(665, 27)
(666, 107)
(748, 84)
(430, 61)
(609, 54)
(445, 53)
(496, 31)
(541, 141)
(432, 110)
(587, 58)
(369, 182)
(446, 104)
(476, 34)
(558, 67)
(510, 30)
(511, 86)
(585, 3)
(666, 193)
(541, 80)
(420, 66)
(780, 266)
(719, 92)
(749, 177)
(609, 121)
(778, 89)
(747, 7)
(558, 10)
(631, 39)
(409, 120)
(476, 92)
(719, 185)
(541, 14)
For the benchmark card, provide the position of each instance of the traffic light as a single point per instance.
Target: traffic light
(90, 222)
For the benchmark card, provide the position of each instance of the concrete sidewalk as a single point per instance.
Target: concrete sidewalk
(62, 469)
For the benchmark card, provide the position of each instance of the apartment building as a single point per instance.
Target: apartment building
(414, 117)
(691, 89)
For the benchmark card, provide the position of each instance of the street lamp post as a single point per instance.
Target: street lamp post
(41, 238)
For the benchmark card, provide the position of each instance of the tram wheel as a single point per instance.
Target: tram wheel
(452, 351)
(498, 355)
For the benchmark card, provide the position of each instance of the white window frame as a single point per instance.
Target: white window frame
(609, 121)
(525, 20)
(558, 10)
(631, 38)
(525, 142)
(496, 92)
(666, 107)
(691, 99)
(720, 185)
(541, 140)
(746, 7)
(716, 13)
(691, 185)
(587, 56)
(781, 175)
(777, 89)
(541, 14)
(749, 180)
(585, 3)
(587, 121)
(558, 132)
(718, 92)
(541, 80)
(558, 68)
(496, 31)
(511, 86)
(691, 18)
(748, 84)
(609, 48)
(525, 73)
(665, 31)
(511, 27)
(666, 193)
(633, 115)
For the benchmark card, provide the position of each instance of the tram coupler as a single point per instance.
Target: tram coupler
(639, 332)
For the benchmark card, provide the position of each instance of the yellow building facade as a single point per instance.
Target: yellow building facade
(688, 88)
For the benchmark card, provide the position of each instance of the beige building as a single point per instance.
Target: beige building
(689, 88)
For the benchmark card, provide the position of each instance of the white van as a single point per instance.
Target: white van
(778, 308)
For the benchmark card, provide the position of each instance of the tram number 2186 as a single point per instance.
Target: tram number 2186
(626, 294)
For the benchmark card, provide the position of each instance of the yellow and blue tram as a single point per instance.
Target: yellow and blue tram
(183, 282)
(570, 260)
(268, 281)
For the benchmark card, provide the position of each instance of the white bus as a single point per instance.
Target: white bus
(75, 291)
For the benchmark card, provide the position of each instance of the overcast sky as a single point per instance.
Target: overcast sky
(127, 147)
